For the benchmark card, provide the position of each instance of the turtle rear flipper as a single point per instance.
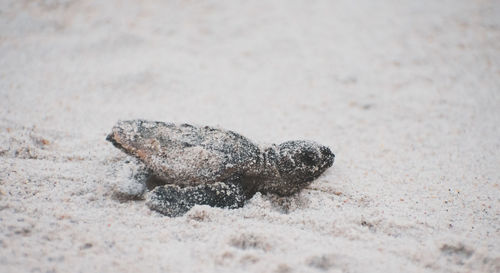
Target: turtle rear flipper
(130, 177)
(172, 200)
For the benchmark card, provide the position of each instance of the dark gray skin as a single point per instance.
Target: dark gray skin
(192, 165)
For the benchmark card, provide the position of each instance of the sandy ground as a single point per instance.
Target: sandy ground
(406, 93)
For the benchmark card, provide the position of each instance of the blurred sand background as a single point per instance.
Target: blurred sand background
(406, 93)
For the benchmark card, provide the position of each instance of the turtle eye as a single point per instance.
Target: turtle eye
(308, 158)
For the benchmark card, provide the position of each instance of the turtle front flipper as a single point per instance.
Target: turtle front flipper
(172, 200)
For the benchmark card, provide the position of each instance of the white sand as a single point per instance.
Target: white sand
(407, 95)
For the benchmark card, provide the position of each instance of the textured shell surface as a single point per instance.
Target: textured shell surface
(186, 155)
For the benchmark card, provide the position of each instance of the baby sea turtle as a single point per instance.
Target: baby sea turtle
(192, 165)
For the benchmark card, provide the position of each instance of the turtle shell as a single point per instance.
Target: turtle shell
(184, 154)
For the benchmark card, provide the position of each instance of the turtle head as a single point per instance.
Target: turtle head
(300, 162)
